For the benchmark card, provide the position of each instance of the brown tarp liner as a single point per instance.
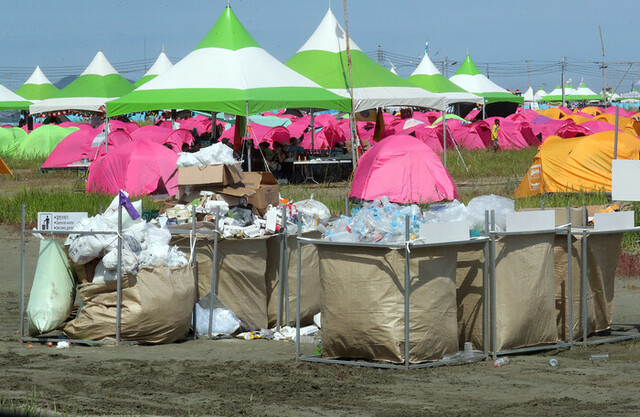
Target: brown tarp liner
(469, 293)
(156, 307)
(363, 310)
(310, 291)
(525, 299)
(602, 260)
(242, 264)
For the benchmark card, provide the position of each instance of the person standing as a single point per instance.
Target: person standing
(495, 130)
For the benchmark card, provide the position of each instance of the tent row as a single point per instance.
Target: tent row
(252, 81)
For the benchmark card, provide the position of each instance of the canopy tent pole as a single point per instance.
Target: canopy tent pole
(106, 134)
(484, 108)
(615, 140)
(444, 136)
(246, 129)
(214, 130)
(352, 119)
(313, 130)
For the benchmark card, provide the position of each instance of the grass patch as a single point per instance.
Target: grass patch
(490, 166)
(38, 200)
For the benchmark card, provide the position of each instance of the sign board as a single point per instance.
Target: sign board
(531, 221)
(617, 220)
(624, 180)
(444, 232)
(57, 221)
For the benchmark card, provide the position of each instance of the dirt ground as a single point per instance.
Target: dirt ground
(254, 377)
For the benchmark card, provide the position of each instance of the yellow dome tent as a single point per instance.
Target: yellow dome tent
(552, 113)
(576, 164)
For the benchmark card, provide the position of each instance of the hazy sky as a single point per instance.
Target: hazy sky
(62, 37)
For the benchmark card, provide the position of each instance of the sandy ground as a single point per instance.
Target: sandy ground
(238, 377)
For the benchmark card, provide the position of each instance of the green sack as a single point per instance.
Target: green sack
(53, 290)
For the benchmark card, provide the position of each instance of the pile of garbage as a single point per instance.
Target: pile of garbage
(144, 243)
(217, 153)
(244, 223)
(382, 221)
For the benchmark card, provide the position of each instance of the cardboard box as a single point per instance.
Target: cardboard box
(210, 174)
(266, 189)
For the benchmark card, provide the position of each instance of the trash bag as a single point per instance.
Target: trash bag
(478, 205)
(53, 290)
(224, 321)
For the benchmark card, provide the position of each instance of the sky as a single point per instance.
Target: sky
(500, 36)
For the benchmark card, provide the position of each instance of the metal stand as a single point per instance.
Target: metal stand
(43, 339)
(407, 246)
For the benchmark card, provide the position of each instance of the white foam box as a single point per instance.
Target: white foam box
(444, 232)
(624, 180)
(531, 221)
(616, 220)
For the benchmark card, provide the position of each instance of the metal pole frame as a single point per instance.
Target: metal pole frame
(214, 270)
(43, 339)
(194, 264)
(444, 136)
(407, 292)
(618, 336)
(283, 237)
(570, 275)
(318, 359)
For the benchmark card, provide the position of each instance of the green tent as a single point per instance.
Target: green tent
(323, 59)
(10, 137)
(555, 96)
(41, 141)
(471, 79)
(11, 101)
(99, 83)
(37, 87)
(228, 72)
(427, 76)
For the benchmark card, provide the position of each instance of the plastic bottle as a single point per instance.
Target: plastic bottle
(599, 357)
(501, 361)
(553, 362)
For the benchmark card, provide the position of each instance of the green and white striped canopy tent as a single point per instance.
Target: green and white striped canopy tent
(323, 58)
(555, 96)
(611, 96)
(539, 95)
(471, 79)
(99, 83)
(37, 87)
(632, 96)
(11, 101)
(228, 72)
(427, 76)
(585, 93)
(161, 65)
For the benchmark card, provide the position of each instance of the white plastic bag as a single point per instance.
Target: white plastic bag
(312, 213)
(224, 321)
(478, 205)
(53, 290)
(104, 275)
(129, 261)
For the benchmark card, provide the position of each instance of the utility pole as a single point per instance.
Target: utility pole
(562, 79)
(604, 80)
(380, 57)
(445, 63)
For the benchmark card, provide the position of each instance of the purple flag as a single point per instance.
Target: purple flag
(124, 201)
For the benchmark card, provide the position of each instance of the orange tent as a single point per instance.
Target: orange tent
(578, 118)
(592, 110)
(576, 164)
(611, 118)
(552, 113)
(4, 169)
(633, 127)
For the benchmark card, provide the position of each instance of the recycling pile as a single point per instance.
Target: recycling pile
(242, 222)
(381, 221)
(144, 243)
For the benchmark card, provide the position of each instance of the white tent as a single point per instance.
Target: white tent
(162, 64)
(427, 76)
(11, 101)
(323, 59)
(472, 80)
(99, 83)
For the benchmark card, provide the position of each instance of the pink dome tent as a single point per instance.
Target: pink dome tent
(404, 169)
(596, 126)
(72, 149)
(162, 135)
(138, 167)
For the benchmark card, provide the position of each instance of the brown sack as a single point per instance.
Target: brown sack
(157, 304)
(310, 291)
(242, 265)
(602, 260)
(525, 286)
(469, 294)
(363, 307)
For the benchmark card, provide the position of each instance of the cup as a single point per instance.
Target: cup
(468, 349)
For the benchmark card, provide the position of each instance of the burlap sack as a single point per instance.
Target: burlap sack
(156, 307)
(363, 307)
(603, 252)
(469, 294)
(525, 286)
(310, 291)
(242, 265)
